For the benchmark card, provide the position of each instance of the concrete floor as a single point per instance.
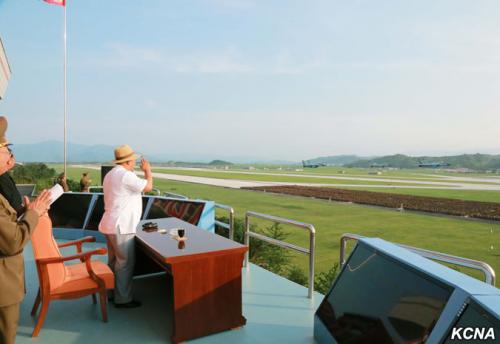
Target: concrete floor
(277, 311)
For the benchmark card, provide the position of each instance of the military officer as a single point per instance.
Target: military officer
(85, 182)
(8, 188)
(14, 234)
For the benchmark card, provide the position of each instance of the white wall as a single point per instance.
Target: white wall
(4, 71)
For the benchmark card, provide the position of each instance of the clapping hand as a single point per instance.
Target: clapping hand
(40, 205)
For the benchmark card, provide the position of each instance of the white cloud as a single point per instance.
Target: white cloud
(126, 56)
(286, 63)
(211, 63)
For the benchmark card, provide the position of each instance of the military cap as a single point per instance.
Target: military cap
(3, 129)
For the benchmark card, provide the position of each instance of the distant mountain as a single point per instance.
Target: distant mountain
(470, 161)
(52, 151)
(220, 163)
(337, 160)
(272, 162)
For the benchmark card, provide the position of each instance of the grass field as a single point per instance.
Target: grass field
(466, 238)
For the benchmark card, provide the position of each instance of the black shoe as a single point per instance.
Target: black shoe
(131, 304)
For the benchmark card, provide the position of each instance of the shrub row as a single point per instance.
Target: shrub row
(482, 210)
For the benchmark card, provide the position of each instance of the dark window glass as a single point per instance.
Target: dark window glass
(184, 210)
(69, 210)
(474, 316)
(379, 300)
(144, 204)
(98, 211)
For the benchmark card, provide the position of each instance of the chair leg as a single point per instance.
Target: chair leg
(103, 300)
(41, 317)
(94, 299)
(36, 304)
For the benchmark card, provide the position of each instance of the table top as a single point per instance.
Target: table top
(198, 243)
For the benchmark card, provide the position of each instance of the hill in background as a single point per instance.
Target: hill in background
(471, 161)
(337, 160)
(52, 151)
(220, 163)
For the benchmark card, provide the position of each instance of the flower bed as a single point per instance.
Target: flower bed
(482, 210)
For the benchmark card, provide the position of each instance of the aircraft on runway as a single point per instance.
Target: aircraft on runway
(433, 164)
(375, 165)
(306, 164)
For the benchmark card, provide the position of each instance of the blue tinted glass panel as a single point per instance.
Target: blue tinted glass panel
(478, 320)
(379, 300)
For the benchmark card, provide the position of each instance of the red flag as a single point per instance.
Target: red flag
(56, 2)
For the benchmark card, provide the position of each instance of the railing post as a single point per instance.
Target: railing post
(312, 245)
(231, 224)
(343, 245)
(283, 244)
(246, 241)
(488, 271)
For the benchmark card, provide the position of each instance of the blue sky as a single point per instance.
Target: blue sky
(265, 79)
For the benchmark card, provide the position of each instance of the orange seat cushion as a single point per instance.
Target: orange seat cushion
(78, 279)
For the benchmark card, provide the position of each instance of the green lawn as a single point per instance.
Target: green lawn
(465, 238)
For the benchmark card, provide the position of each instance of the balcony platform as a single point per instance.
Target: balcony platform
(277, 310)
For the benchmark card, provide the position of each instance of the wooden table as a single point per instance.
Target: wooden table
(206, 274)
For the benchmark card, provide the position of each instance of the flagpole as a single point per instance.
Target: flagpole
(65, 90)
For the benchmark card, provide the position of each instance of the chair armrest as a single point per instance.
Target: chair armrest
(84, 256)
(78, 243)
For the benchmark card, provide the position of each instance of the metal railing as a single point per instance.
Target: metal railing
(488, 271)
(100, 188)
(174, 195)
(309, 252)
(156, 191)
(229, 226)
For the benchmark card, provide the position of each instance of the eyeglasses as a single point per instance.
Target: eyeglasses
(8, 152)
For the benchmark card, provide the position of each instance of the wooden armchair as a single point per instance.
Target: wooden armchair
(59, 281)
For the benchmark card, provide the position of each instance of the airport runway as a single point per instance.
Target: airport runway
(234, 183)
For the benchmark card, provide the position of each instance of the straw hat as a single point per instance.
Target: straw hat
(3, 128)
(124, 153)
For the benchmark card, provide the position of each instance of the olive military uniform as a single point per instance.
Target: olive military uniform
(85, 183)
(14, 235)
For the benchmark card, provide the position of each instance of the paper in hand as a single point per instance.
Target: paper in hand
(55, 192)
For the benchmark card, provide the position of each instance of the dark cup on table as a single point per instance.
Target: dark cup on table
(181, 232)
